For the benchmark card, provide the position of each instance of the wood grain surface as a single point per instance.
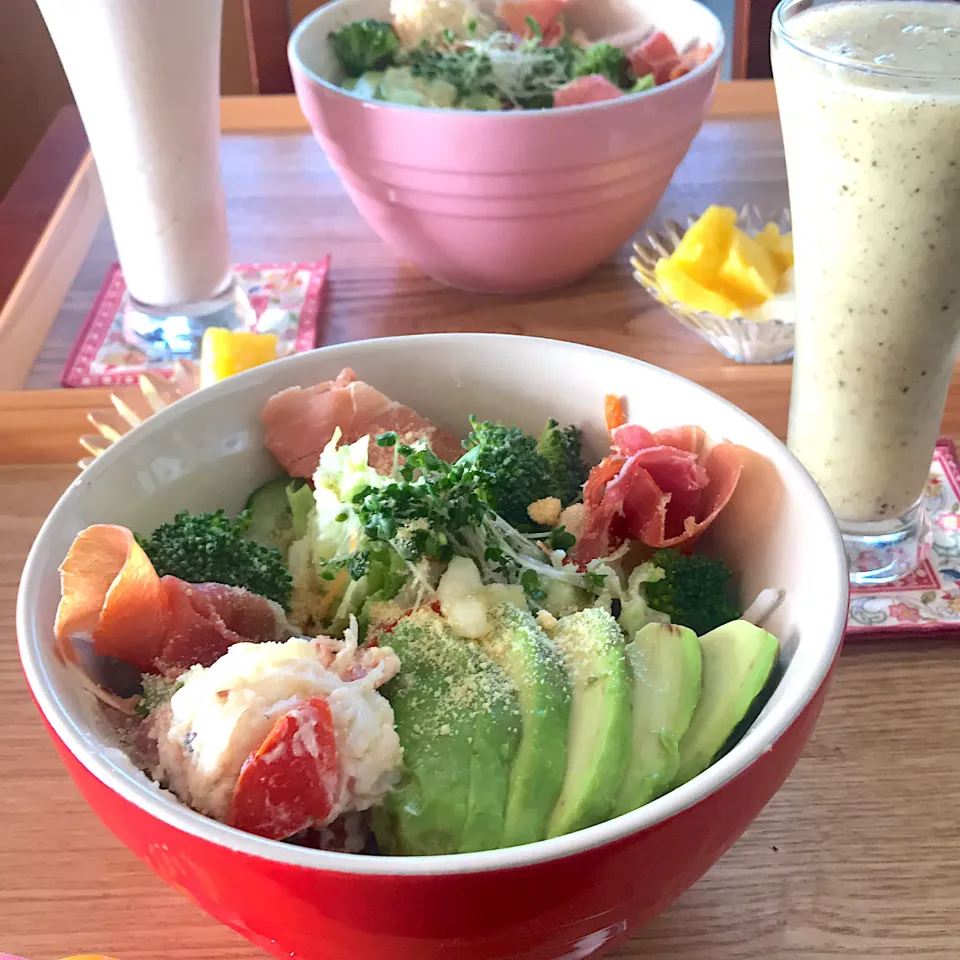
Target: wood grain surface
(858, 856)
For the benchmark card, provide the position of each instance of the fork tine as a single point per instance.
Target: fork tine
(125, 411)
(109, 432)
(94, 445)
(151, 390)
(186, 377)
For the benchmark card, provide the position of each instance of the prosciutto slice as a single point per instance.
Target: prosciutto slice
(205, 619)
(298, 423)
(656, 55)
(545, 13)
(661, 488)
(111, 593)
(631, 438)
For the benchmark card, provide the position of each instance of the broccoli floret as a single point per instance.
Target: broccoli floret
(513, 469)
(365, 45)
(562, 448)
(511, 474)
(694, 592)
(210, 548)
(608, 61)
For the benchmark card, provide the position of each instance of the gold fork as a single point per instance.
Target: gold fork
(157, 392)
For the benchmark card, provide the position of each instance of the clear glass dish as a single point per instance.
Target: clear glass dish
(740, 339)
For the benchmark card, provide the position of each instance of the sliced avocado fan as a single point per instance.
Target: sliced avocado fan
(599, 739)
(458, 719)
(529, 657)
(665, 663)
(738, 659)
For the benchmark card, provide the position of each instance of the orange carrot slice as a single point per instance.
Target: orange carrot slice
(613, 412)
(110, 591)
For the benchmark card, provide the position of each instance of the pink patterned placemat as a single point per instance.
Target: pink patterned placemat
(926, 603)
(286, 298)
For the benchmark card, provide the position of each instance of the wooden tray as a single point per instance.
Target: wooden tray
(29, 311)
(856, 855)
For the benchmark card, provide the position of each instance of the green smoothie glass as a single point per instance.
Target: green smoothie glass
(869, 96)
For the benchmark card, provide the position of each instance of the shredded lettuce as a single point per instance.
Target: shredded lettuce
(342, 473)
(338, 551)
(331, 551)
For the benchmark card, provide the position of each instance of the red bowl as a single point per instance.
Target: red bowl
(569, 897)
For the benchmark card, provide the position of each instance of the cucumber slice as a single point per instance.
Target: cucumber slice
(271, 520)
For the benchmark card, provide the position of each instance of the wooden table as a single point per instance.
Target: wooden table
(857, 856)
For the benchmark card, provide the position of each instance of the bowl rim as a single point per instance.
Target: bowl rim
(138, 790)
(305, 25)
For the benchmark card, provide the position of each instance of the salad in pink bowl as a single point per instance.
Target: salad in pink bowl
(449, 53)
(438, 159)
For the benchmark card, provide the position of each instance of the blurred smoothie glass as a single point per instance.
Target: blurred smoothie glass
(869, 96)
(146, 78)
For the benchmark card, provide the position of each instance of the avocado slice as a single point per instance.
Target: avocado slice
(738, 659)
(458, 719)
(480, 101)
(400, 85)
(599, 739)
(665, 662)
(529, 657)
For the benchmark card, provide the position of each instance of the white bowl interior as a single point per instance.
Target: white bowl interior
(622, 22)
(207, 452)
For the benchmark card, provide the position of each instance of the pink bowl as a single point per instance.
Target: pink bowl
(569, 897)
(508, 202)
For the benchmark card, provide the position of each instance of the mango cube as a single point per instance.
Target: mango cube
(786, 250)
(780, 245)
(718, 268)
(750, 269)
(225, 352)
(682, 288)
(703, 250)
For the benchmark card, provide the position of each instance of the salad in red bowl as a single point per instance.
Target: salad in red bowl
(407, 644)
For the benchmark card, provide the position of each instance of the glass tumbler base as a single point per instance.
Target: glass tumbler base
(886, 550)
(176, 333)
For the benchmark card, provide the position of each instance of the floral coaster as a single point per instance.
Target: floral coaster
(927, 602)
(286, 298)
